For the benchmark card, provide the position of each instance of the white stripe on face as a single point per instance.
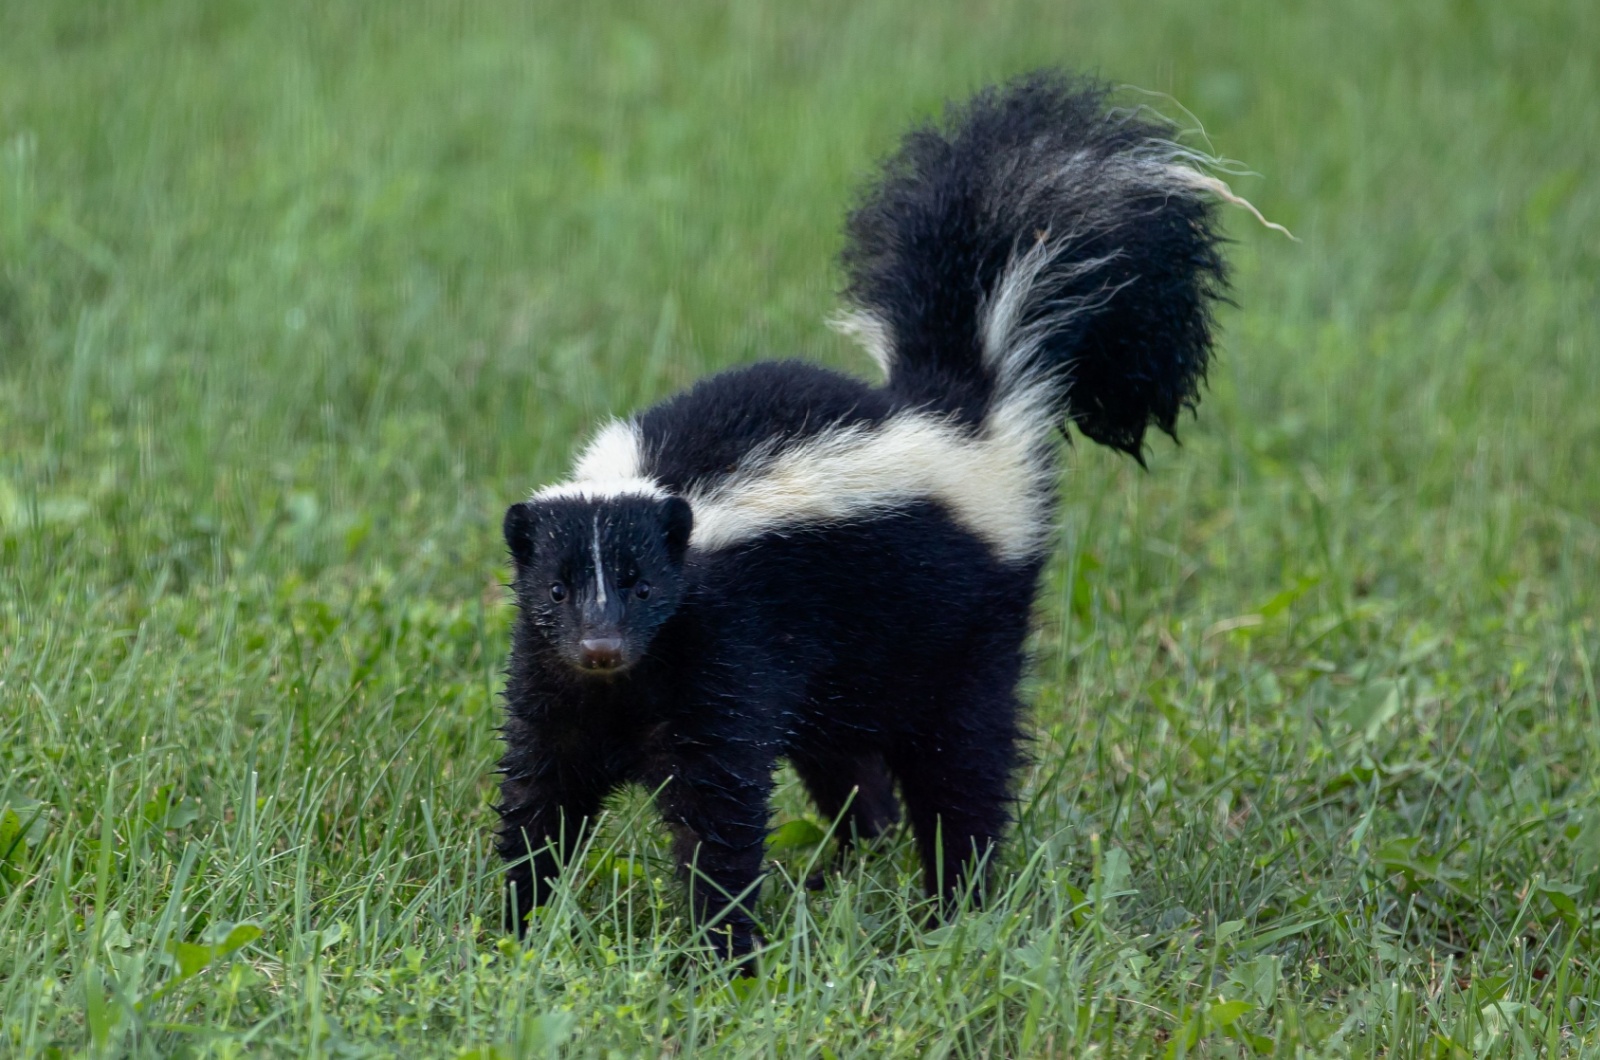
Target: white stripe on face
(599, 567)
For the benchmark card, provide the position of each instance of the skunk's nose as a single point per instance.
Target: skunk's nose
(600, 653)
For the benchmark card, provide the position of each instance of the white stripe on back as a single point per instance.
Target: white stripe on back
(610, 466)
(997, 482)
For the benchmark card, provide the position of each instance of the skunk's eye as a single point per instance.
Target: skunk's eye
(641, 589)
(558, 592)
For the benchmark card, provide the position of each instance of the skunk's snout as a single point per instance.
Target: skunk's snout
(600, 653)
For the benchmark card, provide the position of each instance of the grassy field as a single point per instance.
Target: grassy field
(295, 298)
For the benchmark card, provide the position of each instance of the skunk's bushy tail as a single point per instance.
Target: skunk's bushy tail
(1037, 255)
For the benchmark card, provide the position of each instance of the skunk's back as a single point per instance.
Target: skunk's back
(730, 420)
(1036, 257)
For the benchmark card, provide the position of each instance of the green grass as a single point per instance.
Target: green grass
(295, 298)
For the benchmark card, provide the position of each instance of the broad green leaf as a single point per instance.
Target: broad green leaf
(241, 935)
(1227, 1013)
(192, 958)
(795, 835)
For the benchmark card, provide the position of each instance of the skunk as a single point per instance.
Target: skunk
(787, 563)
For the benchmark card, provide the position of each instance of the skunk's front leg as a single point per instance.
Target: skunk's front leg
(715, 802)
(544, 811)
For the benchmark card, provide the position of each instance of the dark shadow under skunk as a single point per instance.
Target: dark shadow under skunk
(784, 562)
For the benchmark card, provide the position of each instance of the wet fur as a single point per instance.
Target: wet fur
(839, 574)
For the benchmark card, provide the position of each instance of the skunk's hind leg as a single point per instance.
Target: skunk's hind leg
(956, 782)
(854, 790)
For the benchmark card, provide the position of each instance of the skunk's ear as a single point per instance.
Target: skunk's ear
(522, 522)
(678, 520)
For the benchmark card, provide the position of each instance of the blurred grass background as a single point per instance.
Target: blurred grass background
(295, 298)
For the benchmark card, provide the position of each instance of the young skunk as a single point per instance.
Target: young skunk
(784, 562)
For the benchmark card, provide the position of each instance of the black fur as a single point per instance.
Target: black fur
(871, 653)
(929, 242)
(703, 434)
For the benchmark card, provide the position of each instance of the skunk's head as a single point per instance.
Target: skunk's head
(596, 578)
